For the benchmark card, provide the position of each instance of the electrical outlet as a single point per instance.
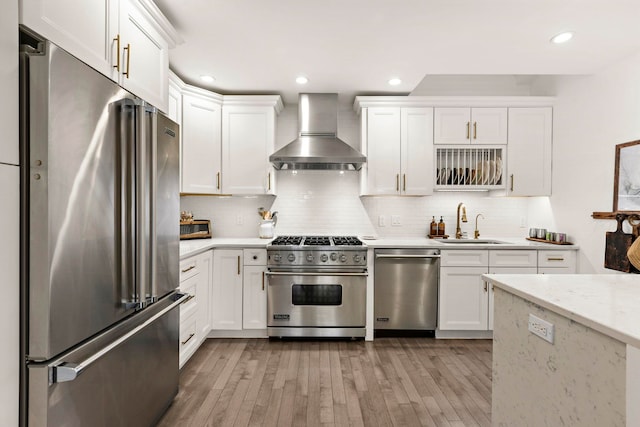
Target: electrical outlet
(239, 220)
(523, 222)
(541, 328)
(395, 221)
(381, 221)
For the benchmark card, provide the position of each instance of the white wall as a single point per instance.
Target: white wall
(592, 115)
(9, 215)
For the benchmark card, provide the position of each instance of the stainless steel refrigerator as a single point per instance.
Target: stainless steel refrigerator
(100, 248)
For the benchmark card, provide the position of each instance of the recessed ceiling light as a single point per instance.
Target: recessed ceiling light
(562, 37)
(207, 79)
(301, 80)
(395, 81)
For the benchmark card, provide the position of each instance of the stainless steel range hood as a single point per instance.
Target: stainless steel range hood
(317, 146)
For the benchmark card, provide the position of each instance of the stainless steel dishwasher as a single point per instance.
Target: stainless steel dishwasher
(406, 289)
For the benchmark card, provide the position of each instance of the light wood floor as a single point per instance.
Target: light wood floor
(390, 381)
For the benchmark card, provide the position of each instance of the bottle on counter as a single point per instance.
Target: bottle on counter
(441, 227)
(433, 227)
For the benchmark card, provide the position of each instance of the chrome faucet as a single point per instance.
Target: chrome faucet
(476, 232)
(464, 219)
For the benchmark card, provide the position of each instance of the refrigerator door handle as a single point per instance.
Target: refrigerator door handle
(153, 200)
(141, 208)
(70, 371)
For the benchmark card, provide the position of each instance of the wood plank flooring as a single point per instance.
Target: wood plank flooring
(387, 382)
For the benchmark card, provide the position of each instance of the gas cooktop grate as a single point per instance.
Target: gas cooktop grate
(287, 241)
(317, 241)
(346, 241)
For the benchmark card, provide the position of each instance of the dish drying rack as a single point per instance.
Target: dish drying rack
(465, 168)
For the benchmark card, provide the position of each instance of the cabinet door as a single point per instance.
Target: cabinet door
(248, 135)
(452, 125)
(254, 303)
(463, 299)
(200, 145)
(383, 151)
(204, 290)
(226, 290)
(85, 29)
(174, 105)
(416, 138)
(504, 270)
(529, 159)
(144, 56)
(488, 126)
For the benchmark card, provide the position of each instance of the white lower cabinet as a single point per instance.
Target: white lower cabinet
(463, 299)
(226, 290)
(195, 280)
(254, 301)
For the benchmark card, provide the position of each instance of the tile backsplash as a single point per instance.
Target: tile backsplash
(328, 202)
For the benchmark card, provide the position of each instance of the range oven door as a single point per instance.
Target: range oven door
(316, 299)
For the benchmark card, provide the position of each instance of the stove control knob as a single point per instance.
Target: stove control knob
(277, 258)
(324, 257)
(334, 256)
(356, 258)
(343, 258)
(291, 257)
(310, 257)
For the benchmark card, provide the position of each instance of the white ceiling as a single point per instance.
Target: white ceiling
(355, 46)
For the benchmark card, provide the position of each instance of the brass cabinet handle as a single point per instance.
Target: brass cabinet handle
(189, 269)
(218, 180)
(397, 182)
(269, 181)
(468, 129)
(555, 259)
(404, 182)
(485, 286)
(117, 40)
(189, 298)
(238, 265)
(511, 182)
(128, 49)
(475, 130)
(187, 340)
(263, 280)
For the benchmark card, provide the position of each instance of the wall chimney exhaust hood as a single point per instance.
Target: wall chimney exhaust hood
(317, 146)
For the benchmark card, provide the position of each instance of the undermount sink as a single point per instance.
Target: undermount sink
(473, 242)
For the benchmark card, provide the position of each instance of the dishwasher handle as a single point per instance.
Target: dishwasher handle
(407, 256)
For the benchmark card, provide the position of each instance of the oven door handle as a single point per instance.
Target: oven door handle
(408, 256)
(295, 273)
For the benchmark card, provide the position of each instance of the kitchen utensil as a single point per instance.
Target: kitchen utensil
(616, 248)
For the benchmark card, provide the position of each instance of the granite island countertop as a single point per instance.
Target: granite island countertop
(607, 303)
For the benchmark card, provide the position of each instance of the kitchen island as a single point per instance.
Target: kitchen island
(589, 374)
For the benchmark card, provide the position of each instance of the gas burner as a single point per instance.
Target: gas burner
(287, 241)
(346, 241)
(317, 241)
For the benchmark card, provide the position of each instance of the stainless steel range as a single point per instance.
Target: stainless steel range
(317, 286)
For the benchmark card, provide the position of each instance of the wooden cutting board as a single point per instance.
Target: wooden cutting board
(617, 245)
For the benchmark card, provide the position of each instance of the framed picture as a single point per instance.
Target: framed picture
(626, 185)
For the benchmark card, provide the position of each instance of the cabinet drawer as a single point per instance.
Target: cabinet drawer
(188, 338)
(464, 258)
(557, 259)
(189, 286)
(189, 267)
(507, 258)
(254, 256)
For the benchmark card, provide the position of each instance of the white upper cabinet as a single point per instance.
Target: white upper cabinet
(126, 40)
(465, 125)
(144, 56)
(174, 104)
(529, 151)
(248, 138)
(201, 142)
(398, 143)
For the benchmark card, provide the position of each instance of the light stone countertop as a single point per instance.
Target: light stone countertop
(607, 303)
(195, 246)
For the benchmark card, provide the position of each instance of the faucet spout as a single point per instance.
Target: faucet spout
(458, 218)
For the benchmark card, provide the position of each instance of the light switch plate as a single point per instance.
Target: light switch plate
(541, 328)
